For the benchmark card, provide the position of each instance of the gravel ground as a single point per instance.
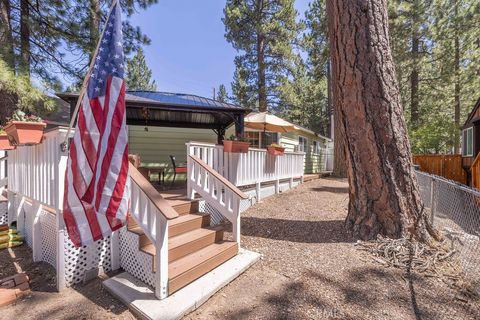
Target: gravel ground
(310, 269)
(82, 302)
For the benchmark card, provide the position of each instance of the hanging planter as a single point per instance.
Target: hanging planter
(235, 146)
(276, 150)
(5, 143)
(23, 130)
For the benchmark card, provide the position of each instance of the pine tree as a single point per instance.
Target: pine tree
(384, 193)
(138, 74)
(264, 33)
(222, 94)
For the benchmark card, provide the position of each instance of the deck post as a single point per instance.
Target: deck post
(161, 246)
(115, 250)
(236, 224)
(36, 232)
(277, 186)
(60, 259)
(258, 190)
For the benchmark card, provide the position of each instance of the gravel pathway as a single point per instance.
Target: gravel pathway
(310, 268)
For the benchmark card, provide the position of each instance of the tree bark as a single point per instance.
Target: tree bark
(25, 38)
(94, 25)
(457, 85)
(339, 161)
(262, 89)
(384, 194)
(6, 37)
(414, 116)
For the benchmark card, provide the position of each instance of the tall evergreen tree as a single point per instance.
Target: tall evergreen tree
(222, 94)
(263, 32)
(138, 74)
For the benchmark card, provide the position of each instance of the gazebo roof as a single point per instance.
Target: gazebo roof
(175, 109)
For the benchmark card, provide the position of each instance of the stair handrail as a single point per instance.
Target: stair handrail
(216, 190)
(155, 197)
(152, 214)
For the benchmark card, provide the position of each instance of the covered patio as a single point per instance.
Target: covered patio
(160, 124)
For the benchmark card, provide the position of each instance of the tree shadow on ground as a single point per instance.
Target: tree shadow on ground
(330, 189)
(329, 231)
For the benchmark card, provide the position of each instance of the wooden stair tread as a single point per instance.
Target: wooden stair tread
(189, 268)
(184, 239)
(191, 236)
(186, 218)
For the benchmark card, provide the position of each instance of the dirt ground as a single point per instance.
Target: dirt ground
(310, 269)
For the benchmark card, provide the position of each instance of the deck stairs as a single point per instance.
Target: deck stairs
(195, 247)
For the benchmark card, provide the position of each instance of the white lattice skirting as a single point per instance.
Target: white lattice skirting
(3, 213)
(137, 263)
(41, 226)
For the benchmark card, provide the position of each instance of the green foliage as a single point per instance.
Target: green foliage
(16, 92)
(439, 25)
(138, 74)
(264, 34)
(222, 94)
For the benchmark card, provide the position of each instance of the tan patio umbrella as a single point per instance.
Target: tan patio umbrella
(268, 122)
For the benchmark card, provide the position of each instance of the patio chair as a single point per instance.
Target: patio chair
(177, 169)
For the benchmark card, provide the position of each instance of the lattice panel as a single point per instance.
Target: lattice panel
(48, 229)
(3, 213)
(215, 216)
(132, 260)
(80, 260)
(267, 191)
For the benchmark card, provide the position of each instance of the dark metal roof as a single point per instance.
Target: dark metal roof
(175, 110)
(179, 99)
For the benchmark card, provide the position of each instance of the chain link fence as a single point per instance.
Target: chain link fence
(455, 211)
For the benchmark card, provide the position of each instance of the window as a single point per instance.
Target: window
(259, 139)
(253, 137)
(467, 142)
(317, 147)
(302, 144)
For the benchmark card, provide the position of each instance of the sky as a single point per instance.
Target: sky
(188, 51)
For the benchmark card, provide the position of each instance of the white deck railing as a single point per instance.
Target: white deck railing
(256, 166)
(216, 190)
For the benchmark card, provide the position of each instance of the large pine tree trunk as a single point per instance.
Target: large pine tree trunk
(262, 85)
(339, 161)
(414, 115)
(457, 85)
(384, 194)
(6, 37)
(25, 38)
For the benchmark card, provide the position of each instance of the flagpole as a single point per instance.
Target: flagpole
(65, 144)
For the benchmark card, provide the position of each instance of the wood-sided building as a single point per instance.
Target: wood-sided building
(471, 139)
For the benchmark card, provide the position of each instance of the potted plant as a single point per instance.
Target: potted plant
(235, 144)
(23, 129)
(4, 142)
(275, 149)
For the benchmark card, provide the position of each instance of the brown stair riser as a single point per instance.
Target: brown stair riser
(188, 247)
(186, 208)
(143, 240)
(195, 245)
(175, 230)
(197, 271)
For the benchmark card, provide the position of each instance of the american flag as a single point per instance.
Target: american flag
(97, 186)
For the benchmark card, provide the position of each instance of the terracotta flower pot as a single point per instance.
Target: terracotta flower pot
(5, 143)
(235, 146)
(23, 132)
(276, 150)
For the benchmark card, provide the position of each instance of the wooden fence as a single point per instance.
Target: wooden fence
(447, 166)
(475, 170)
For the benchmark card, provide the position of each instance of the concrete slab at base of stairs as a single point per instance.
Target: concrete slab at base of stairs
(141, 300)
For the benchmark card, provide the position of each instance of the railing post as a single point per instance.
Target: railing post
(115, 250)
(190, 172)
(36, 232)
(258, 190)
(161, 246)
(60, 259)
(236, 223)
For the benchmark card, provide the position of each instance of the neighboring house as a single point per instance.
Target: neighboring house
(471, 139)
(318, 149)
